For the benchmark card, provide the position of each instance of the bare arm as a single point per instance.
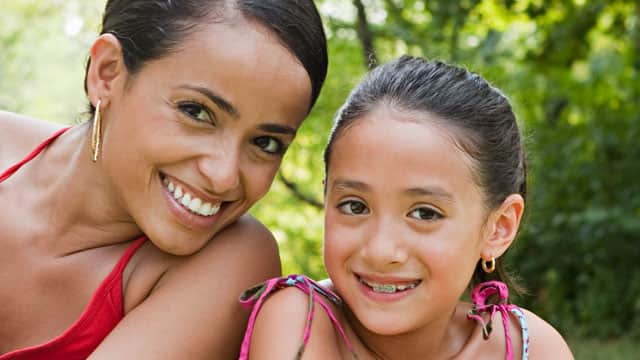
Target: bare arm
(545, 341)
(280, 326)
(193, 312)
(19, 135)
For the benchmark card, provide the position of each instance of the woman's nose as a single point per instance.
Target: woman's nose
(222, 171)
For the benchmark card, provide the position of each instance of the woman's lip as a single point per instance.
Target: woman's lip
(193, 191)
(188, 218)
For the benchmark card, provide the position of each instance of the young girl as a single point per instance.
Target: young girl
(425, 187)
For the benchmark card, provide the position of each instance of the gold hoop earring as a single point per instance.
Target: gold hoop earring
(491, 267)
(96, 133)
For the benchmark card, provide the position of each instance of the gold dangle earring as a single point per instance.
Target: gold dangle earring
(489, 266)
(96, 132)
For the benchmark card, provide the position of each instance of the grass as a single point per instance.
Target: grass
(619, 349)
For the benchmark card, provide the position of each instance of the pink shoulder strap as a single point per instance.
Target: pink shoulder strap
(255, 297)
(5, 175)
(480, 296)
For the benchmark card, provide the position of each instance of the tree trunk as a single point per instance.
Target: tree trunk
(365, 36)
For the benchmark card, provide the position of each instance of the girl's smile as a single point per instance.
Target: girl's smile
(386, 288)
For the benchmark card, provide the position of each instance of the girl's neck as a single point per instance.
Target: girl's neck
(442, 338)
(68, 202)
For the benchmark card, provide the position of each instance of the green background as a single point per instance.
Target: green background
(570, 68)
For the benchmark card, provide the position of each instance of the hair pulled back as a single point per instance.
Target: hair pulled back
(150, 29)
(480, 116)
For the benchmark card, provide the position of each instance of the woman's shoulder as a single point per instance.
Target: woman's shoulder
(246, 249)
(198, 295)
(281, 322)
(545, 342)
(246, 246)
(20, 134)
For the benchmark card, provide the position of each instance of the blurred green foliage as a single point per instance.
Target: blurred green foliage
(570, 67)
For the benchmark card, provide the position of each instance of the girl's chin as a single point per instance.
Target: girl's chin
(383, 324)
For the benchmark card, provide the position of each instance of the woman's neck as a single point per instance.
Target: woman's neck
(69, 200)
(441, 338)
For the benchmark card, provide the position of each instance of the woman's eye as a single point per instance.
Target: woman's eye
(196, 111)
(269, 144)
(353, 207)
(425, 213)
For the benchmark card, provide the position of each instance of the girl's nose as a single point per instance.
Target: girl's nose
(384, 247)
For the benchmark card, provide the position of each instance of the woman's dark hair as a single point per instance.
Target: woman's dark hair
(150, 29)
(481, 117)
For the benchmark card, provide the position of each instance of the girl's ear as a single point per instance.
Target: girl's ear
(502, 227)
(107, 72)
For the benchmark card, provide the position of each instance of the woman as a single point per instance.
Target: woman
(193, 105)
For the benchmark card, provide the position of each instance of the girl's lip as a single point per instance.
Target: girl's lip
(387, 279)
(372, 295)
(186, 217)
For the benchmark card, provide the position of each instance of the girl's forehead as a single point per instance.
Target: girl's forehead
(385, 144)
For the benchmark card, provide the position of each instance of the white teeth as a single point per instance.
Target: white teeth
(214, 209)
(194, 204)
(178, 193)
(388, 288)
(206, 209)
(186, 199)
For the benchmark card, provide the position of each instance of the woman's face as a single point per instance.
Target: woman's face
(403, 222)
(195, 138)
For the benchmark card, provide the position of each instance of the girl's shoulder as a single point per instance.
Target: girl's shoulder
(545, 342)
(521, 333)
(20, 134)
(293, 315)
(510, 333)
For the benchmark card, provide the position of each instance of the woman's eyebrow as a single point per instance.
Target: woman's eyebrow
(223, 104)
(278, 129)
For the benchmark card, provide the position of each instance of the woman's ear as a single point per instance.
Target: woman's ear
(502, 227)
(106, 72)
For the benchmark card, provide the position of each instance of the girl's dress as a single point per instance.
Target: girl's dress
(102, 314)
(318, 295)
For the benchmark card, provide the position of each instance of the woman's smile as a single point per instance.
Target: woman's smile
(193, 208)
(190, 201)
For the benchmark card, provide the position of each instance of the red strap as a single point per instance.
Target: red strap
(5, 175)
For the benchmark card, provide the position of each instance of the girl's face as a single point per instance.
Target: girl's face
(404, 221)
(195, 138)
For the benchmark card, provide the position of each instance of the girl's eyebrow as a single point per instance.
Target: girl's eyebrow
(435, 191)
(342, 184)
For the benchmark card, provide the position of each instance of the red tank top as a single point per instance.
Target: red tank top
(102, 314)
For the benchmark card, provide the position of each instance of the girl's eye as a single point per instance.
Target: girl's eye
(425, 213)
(269, 145)
(196, 111)
(353, 207)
